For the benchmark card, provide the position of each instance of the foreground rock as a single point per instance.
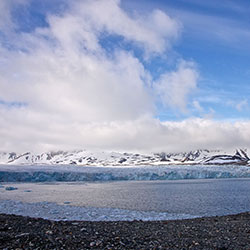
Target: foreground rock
(226, 232)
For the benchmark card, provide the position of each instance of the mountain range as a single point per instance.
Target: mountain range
(104, 158)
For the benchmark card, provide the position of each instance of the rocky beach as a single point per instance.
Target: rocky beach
(224, 232)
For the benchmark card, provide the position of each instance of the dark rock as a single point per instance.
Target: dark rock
(122, 160)
(226, 232)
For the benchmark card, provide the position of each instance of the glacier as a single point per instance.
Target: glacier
(71, 173)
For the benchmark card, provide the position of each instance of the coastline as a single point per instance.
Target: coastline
(220, 232)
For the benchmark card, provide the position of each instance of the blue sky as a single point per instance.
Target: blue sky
(217, 37)
(102, 64)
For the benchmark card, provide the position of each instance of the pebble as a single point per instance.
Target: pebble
(21, 235)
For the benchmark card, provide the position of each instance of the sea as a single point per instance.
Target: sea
(126, 199)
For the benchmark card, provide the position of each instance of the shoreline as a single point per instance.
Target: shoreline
(219, 232)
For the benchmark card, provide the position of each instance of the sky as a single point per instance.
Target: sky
(148, 76)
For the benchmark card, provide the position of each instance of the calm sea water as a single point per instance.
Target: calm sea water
(195, 197)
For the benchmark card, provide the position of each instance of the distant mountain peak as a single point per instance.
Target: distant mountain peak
(86, 158)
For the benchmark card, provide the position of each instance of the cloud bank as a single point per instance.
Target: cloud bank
(62, 87)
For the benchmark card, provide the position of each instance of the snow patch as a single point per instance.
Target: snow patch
(103, 158)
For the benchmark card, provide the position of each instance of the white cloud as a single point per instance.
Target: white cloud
(197, 106)
(6, 7)
(174, 87)
(5, 15)
(76, 95)
(210, 114)
(66, 72)
(144, 134)
(67, 81)
(154, 32)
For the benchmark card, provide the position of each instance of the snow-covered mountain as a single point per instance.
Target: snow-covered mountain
(84, 157)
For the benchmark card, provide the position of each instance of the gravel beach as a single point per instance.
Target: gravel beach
(225, 232)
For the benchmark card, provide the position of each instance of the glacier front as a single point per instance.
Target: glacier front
(71, 173)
